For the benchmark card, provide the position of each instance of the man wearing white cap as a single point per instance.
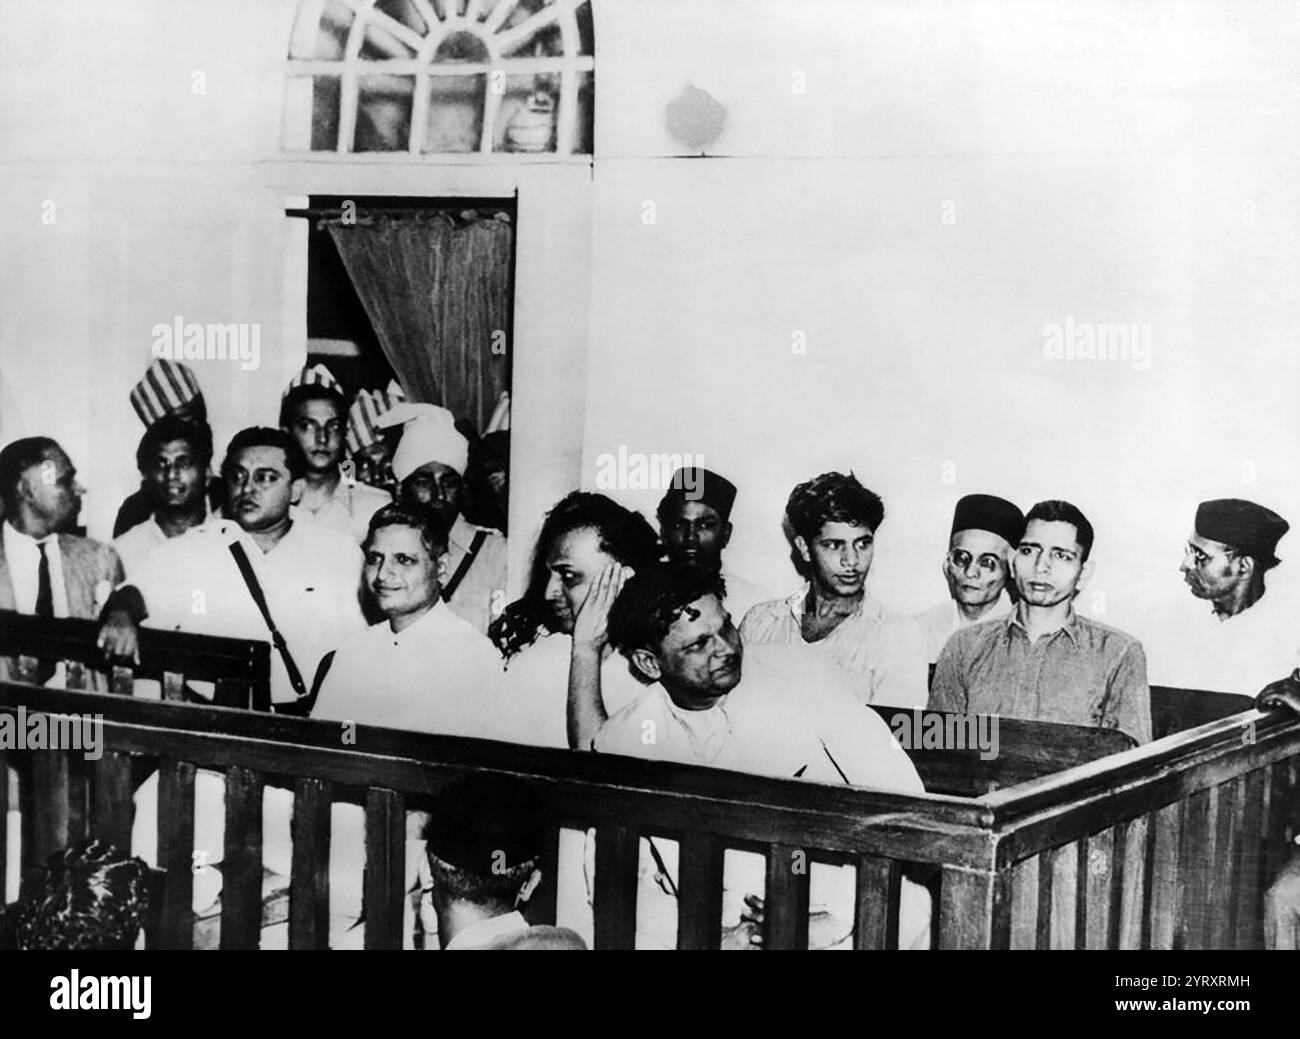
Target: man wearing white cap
(429, 463)
(313, 411)
(368, 446)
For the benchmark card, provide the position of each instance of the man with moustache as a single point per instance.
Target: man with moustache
(307, 573)
(314, 411)
(44, 569)
(1044, 662)
(1251, 635)
(984, 530)
(173, 459)
(710, 700)
(421, 668)
(695, 526)
(834, 520)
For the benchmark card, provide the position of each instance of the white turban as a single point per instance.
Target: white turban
(429, 434)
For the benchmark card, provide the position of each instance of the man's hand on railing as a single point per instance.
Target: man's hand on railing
(824, 928)
(119, 637)
(1282, 693)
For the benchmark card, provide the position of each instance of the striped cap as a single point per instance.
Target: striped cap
(167, 386)
(315, 375)
(363, 416)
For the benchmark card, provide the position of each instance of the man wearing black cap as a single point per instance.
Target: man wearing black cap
(984, 530)
(1248, 639)
(484, 841)
(695, 526)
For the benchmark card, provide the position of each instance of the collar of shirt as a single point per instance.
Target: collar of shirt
(484, 932)
(1070, 627)
(707, 730)
(869, 607)
(23, 557)
(429, 625)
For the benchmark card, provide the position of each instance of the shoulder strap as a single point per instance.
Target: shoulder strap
(277, 640)
(475, 546)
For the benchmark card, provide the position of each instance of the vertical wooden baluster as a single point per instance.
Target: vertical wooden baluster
(1248, 906)
(176, 853)
(309, 889)
(699, 895)
(879, 890)
(785, 899)
(617, 848)
(173, 687)
(241, 863)
(112, 812)
(385, 868)
(975, 909)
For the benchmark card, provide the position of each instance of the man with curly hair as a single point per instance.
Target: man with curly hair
(833, 521)
(767, 710)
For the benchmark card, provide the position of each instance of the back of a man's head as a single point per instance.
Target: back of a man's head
(484, 839)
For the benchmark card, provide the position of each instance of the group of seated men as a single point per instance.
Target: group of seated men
(621, 630)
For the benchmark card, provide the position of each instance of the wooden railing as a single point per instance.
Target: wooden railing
(1192, 826)
(239, 668)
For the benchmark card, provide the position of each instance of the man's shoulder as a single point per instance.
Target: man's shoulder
(542, 936)
(762, 617)
(621, 733)
(778, 669)
(98, 556)
(979, 633)
(366, 495)
(1101, 635)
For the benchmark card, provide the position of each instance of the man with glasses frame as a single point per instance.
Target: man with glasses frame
(1248, 638)
(1044, 662)
(977, 568)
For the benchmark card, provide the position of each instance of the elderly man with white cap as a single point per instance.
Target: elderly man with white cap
(429, 464)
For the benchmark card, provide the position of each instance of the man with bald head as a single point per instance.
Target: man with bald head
(1250, 635)
(985, 528)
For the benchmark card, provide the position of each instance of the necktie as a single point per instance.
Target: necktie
(44, 590)
(44, 608)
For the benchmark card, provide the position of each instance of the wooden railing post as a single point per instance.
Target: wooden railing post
(617, 863)
(176, 853)
(785, 903)
(975, 908)
(385, 878)
(309, 890)
(241, 865)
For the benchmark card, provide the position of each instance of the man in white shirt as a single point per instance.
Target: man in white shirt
(430, 463)
(422, 668)
(695, 526)
(1250, 636)
(767, 710)
(173, 459)
(308, 574)
(314, 411)
(977, 566)
(834, 520)
(44, 570)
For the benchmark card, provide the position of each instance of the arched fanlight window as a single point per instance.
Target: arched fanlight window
(441, 76)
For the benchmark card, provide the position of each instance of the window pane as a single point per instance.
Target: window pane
(405, 12)
(585, 35)
(325, 114)
(455, 113)
(526, 120)
(546, 42)
(384, 113)
(379, 44)
(326, 40)
(584, 133)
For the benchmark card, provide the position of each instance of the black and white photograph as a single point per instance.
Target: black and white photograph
(717, 475)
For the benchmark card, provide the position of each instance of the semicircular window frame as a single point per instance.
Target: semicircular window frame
(430, 79)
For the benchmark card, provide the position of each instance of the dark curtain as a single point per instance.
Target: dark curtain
(436, 287)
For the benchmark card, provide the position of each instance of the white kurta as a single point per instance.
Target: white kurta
(791, 716)
(1189, 647)
(439, 675)
(348, 509)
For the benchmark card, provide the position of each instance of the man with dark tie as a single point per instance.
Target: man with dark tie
(44, 570)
